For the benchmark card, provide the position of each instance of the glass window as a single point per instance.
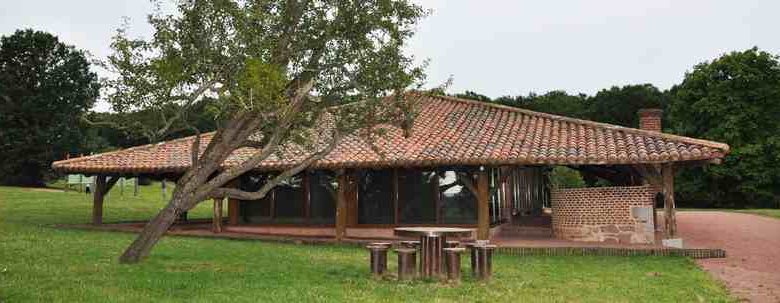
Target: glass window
(323, 188)
(495, 195)
(417, 194)
(375, 197)
(290, 200)
(255, 211)
(458, 202)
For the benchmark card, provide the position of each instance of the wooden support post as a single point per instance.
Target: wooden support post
(102, 186)
(306, 197)
(341, 206)
(350, 192)
(483, 210)
(233, 205)
(233, 211)
(97, 199)
(670, 220)
(652, 176)
(216, 221)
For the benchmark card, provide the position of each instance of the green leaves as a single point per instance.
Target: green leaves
(619, 105)
(247, 55)
(734, 99)
(45, 86)
(260, 87)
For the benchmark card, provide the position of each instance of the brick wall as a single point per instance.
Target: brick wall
(604, 214)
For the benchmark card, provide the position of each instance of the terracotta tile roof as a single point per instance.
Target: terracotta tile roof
(447, 131)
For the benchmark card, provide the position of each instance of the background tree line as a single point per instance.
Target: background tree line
(47, 96)
(733, 99)
(47, 92)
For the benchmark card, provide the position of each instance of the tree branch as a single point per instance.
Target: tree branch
(299, 94)
(468, 183)
(259, 194)
(190, 100)
(113, 125)
(195, 150)
(292, 15)
(650, 172)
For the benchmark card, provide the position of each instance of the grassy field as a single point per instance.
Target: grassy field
(767, 212)
(41, 263)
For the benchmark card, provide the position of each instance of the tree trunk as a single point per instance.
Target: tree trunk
(198, 184)
(186, 194)
(153, 231)
(184, 198)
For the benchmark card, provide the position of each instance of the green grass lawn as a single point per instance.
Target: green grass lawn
(45, 264)
(767, 212)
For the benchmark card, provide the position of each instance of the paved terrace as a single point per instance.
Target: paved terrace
(532, 245)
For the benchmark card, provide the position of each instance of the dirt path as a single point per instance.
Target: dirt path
(752, 243)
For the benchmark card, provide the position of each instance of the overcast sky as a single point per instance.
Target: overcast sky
(502, 47)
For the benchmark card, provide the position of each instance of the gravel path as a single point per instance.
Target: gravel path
(751, 269)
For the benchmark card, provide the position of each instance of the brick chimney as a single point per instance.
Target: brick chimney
(650, 119)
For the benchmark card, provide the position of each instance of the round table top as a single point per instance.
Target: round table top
(432, 231)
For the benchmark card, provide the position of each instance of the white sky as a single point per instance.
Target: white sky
(502, 47)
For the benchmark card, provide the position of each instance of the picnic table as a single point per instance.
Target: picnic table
(432, 243)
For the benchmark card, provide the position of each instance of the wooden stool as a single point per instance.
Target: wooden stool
(472, 256)
(484, 261)
(378, 259)
(407, 263)
(385, 244)
(409, 244)
(453, 262)
(449, 244)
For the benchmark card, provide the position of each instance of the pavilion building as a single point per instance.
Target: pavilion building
(465, 163)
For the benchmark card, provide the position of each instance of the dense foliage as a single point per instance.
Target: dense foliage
(45, 86)
(734, 99)
(619, 105)
(122, 133)
(555, 102)
(616, 105)
(564, 177)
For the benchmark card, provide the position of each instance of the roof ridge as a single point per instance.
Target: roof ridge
(708, 143)
(133, 148)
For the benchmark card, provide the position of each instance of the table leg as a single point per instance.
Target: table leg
(441, 260)
(431, 256)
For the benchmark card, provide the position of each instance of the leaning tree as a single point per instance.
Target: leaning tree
(272, 72)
